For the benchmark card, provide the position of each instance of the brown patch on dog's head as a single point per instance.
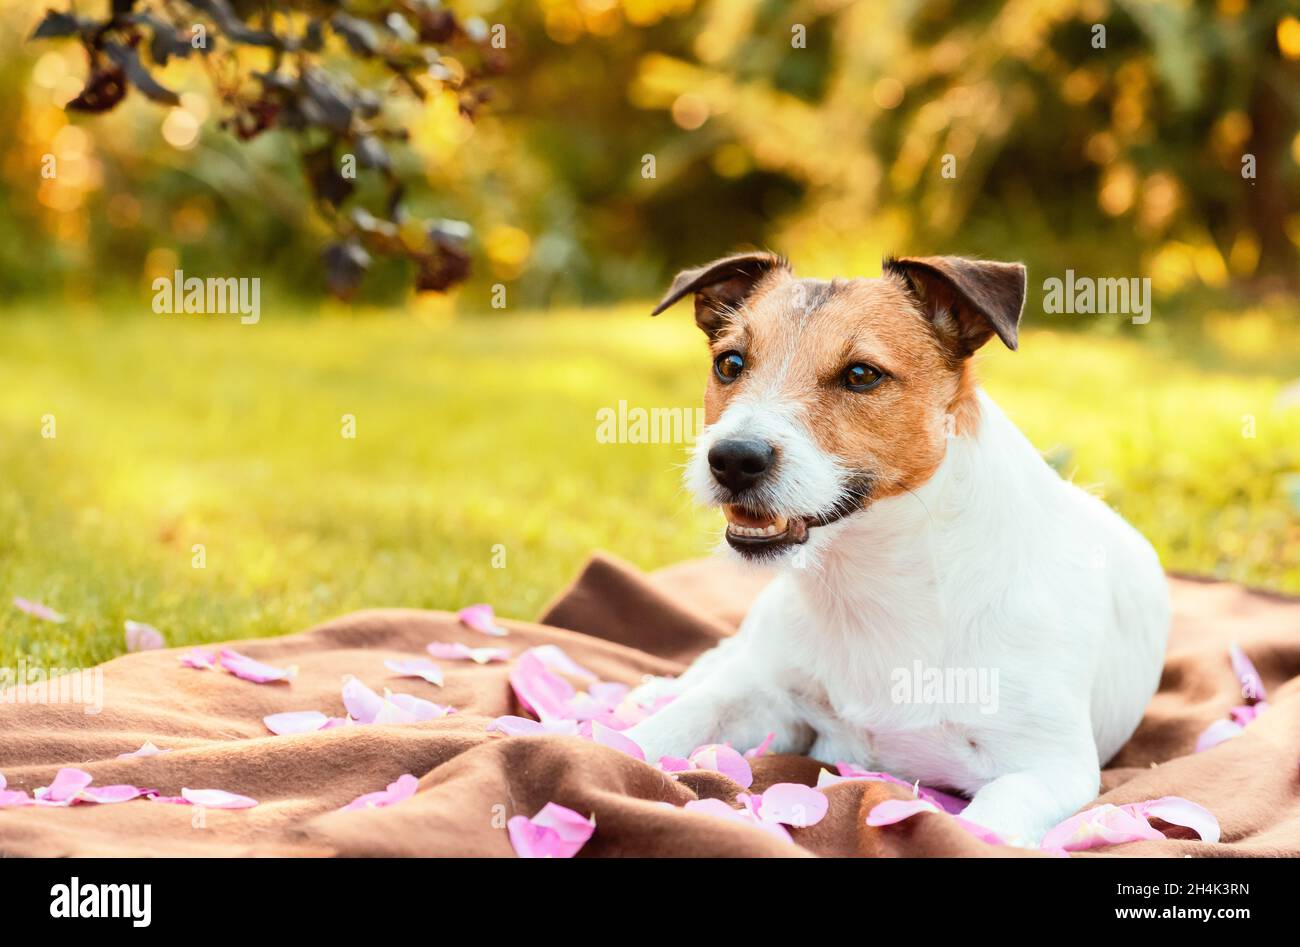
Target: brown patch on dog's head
(806, 346)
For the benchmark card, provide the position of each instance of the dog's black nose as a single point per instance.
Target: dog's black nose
(737, 464)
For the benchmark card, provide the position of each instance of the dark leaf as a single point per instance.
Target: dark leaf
(323, 104)
(104, 89)
(314, 38)
(442, 270)
(233, 27)
(60, 24)
(360, 35)
(345, 264)
(325, 177)
(129, 61)
(167, 40)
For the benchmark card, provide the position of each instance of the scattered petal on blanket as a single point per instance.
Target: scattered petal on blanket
(106, 795)
(554, 658)
(399, 791)
(849, 771)
(481, 618)
(1218, 732)
(761, 749)
(1252, 691)
(719, 809)
(147, 749)
(142, 637)
(607, 736)
(405, 708)
(295, 721)
(200, 659)
(555, 832)
(544, 693)
(1179, 811)
(416, 667)
(675, 764)
(67, 783)
(723, 759)
(10, 798)
(513, 726)
(456, 651)
(248, 669)
(362, 703)
(365, 706)
(1112, 825)
(213, 799)
(788, 803)
(893, 811)
(38, 610)
(1252, 686)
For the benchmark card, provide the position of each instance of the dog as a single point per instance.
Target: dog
(912, 528)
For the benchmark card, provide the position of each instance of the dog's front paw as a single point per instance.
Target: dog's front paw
(653, 690)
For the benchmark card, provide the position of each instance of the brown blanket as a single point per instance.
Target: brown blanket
(624, 624)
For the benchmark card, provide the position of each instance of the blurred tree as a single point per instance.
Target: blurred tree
(337, 116)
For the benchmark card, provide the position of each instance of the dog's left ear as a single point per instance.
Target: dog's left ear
(720, 286)
(966, 300)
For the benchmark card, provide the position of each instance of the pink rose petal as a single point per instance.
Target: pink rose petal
(790, 804)
(295, 721)
(607, 736)
(416, 667)
(199, 659)
(945, 801)
(363, 704)
(248, 669)
(482, 619)
(723, 759)
(761, 749)
(1252, 685)
(893, 811)
(106, 795)
(513, 726)
(1179, 811)
(719, 809)
(142, 637)
(555, 832)
(13, 798)
(68, 782)
(544, 693)
(675, 764)
(146, 750)
(410, 709)
(399, 791)
(39, 611)
(456, 651)
(1218, 732)
(554, 658)
(216, 799)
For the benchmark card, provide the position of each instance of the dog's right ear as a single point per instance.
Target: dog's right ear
(720, 286)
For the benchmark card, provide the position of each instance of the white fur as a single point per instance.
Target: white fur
(995, 563)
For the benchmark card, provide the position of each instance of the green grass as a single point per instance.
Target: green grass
(480, 435)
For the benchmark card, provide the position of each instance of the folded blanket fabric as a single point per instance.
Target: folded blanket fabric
(620, 624)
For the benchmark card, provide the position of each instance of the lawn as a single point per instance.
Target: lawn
(476, 474)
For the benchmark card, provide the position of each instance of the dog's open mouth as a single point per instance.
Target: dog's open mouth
(751, 529)
(755, 531)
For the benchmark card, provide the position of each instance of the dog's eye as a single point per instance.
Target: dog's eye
(728, 367)
(862, 377)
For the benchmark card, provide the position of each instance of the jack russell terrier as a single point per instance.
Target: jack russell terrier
(912, 525)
